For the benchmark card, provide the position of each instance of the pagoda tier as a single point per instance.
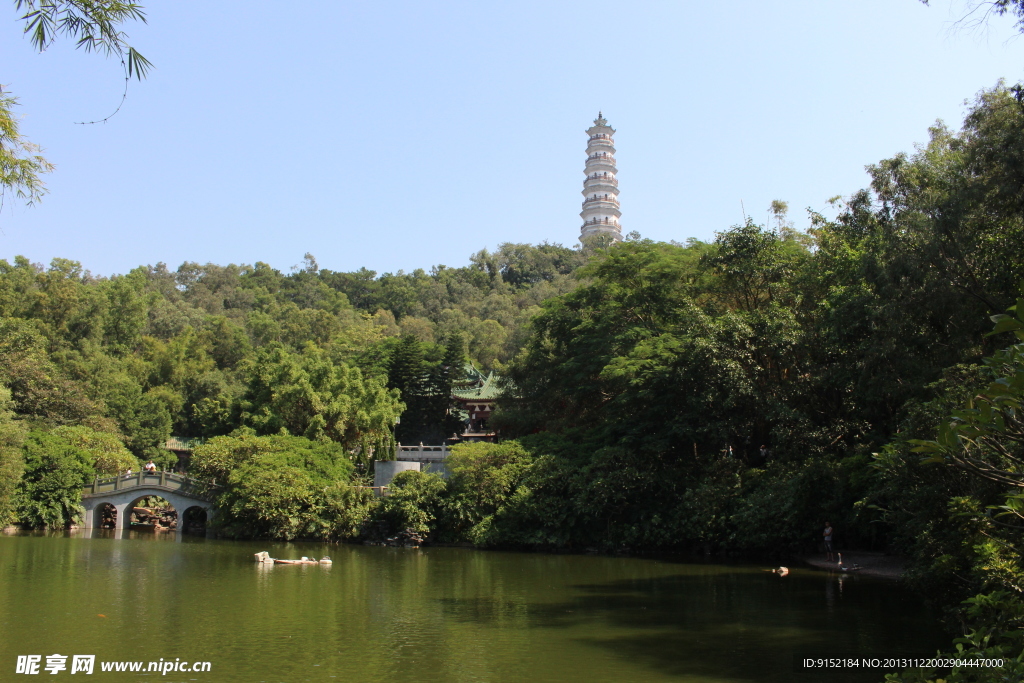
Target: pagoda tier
(601, 188)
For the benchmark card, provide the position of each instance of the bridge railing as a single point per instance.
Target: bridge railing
(421, 453)
(168, 481)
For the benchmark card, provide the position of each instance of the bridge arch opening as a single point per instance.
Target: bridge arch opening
(105, 516)
(194, 520)
(151, 512)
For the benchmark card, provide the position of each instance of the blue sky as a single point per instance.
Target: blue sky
(403, 135)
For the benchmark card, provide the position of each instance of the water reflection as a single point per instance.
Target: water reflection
(178, 535)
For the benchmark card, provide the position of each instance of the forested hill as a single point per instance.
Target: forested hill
(157, 351)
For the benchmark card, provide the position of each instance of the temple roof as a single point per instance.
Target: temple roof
(477, 385)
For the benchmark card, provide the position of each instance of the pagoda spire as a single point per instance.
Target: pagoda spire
(601, 188)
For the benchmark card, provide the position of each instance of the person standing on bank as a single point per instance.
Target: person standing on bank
(827, 534)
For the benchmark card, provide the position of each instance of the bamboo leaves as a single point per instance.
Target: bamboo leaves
(92, 24)
(21, 165)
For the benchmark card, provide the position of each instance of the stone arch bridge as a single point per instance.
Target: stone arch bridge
(124, 492)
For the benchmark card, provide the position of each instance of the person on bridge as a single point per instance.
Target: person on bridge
(151, 466)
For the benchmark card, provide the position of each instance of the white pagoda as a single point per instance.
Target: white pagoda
(601, 189)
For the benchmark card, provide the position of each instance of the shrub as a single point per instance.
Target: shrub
(51, 488)
(482, 477)
(411, 508)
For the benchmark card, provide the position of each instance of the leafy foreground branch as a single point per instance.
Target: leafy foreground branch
(21, 164)
(94, 25)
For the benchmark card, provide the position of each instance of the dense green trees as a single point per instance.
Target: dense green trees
(422, 506)
(482, 477)
(57, 464)
(309, 395)
(968, 541)
(51, 487)
(282, 486)
(12, 436)
(205, 350)
(424, 374)
(410, 512)
(730, 394)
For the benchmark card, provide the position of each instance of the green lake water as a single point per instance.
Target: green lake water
(434, 614)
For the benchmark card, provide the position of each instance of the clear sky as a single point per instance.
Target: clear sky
(400, 135)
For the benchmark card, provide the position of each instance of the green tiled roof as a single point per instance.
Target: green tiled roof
(477, 386)
(182, 443)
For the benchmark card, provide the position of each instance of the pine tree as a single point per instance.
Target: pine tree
(443, 411)
(407, 373)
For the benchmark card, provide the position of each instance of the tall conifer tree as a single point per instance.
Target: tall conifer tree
(407, 373)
